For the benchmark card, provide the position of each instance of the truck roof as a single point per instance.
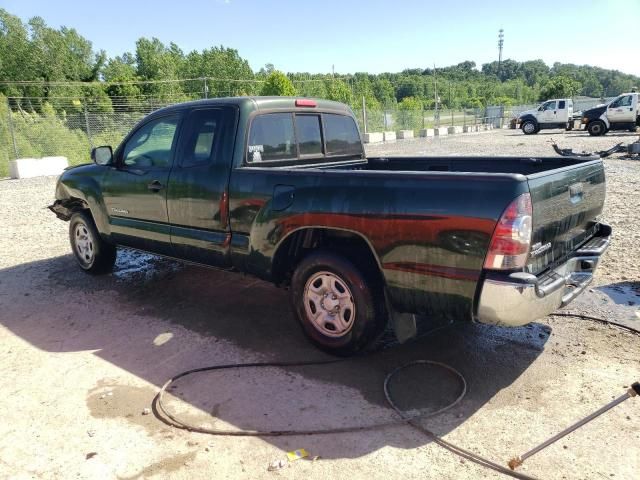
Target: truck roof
(261, 103)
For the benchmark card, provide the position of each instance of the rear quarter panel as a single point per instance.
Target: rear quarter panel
(429, 232)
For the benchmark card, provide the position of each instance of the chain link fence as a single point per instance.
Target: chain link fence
(35, 127)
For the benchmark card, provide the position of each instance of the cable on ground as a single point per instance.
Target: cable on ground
(164, 415)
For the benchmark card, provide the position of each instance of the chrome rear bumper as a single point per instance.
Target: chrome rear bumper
(521, 298)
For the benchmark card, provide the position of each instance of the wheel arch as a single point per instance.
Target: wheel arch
(299, 243)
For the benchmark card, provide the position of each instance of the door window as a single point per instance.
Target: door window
(549, 106)
(150, 146)
(625, 101)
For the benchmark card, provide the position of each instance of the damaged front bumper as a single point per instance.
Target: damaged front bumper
(61, 211)
(520, 298)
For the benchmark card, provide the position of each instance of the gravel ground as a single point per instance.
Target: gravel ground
(83, 358)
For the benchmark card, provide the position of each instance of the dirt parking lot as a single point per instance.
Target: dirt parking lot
(83, 358)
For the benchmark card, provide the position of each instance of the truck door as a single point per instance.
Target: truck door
(135, 191)
(197, 200)
(622, 109)
(549, 112)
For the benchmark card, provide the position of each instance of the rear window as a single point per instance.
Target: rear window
(305, 137)
(341, 135)
(308, 132)
(271, 138)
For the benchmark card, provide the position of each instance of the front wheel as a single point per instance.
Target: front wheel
(339, 308)
(529, 128)
(597, 128)
(94, 255)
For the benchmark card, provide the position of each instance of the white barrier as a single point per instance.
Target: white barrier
(441, 131)
(454, 130)
(427, 132)
(37, 167)
(389, 136)
(402, 134)
(372, 137)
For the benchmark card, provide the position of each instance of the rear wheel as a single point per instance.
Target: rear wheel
(93, 254)
(339, 308)
(597, 128)
(529, 127)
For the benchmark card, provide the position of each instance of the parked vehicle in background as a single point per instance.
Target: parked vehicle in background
(556, 113)
(280, 188)
(621, 113)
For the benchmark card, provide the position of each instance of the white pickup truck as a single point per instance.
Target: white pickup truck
(556, 113)
(621, 113)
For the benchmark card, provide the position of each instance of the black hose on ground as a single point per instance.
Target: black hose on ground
(164, 415)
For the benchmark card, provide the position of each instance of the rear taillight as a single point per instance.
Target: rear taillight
(509, 247)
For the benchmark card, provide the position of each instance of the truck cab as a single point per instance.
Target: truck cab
(622, 113)
(555, 113)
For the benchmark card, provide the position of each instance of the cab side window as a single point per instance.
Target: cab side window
(561, 105)
(203, 133)
(549, 106)
(150, 146)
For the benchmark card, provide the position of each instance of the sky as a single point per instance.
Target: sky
(355, 36)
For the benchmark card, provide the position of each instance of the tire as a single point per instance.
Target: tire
(93, 254)
(529, 127)
(355, 315)
(596, 128)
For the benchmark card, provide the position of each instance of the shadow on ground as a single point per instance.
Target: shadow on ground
(161, 318)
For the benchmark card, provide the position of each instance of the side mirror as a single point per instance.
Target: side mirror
(102, 155)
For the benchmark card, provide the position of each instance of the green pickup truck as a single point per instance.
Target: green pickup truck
(280, 188)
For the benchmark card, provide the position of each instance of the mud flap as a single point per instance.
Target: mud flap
(404, 326)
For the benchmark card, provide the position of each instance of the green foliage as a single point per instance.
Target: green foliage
(278, 84)
(560, 87)
(68, 78)
(411, 103)
(339, 91)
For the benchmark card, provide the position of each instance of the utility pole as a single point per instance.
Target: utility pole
(500, 45)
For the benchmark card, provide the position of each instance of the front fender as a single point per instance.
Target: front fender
(529, 117)
(81, 188)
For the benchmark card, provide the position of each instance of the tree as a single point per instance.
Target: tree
(278, 84)
(560, 87)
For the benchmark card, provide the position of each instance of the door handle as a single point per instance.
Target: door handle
(155, 186)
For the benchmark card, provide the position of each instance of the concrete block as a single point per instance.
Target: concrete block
(454, 130)
(389, 136)
(427, 132)
(468, 129)
(372, 137)
(402, 134)
(37, 167)
(441, 131)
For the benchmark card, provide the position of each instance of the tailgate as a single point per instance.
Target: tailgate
(566, 202)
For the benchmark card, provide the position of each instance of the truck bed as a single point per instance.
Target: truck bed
(510, 165)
